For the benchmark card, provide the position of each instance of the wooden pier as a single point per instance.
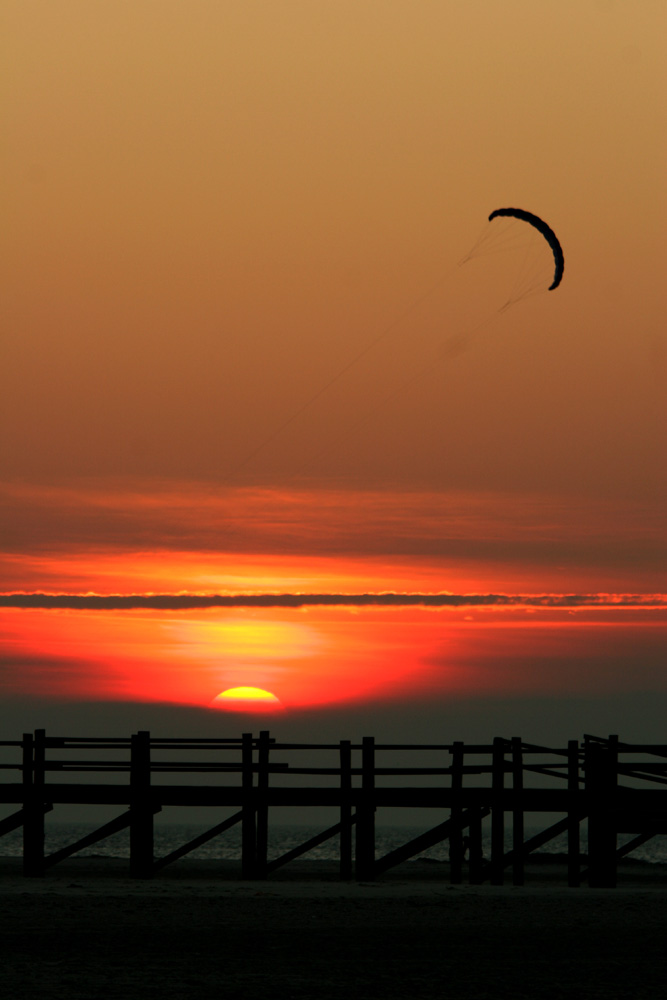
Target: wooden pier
(615, 788)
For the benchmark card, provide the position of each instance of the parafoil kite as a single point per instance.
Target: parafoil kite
(546, 231)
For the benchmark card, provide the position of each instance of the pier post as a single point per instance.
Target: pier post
(497, 811)
(248, 828)
(262, 845)
(365, 853)
(573, 815)
(33, 802)
(518, 874)
(601, 779)
(456, 832)
(476, 854)
(345, 809)
(141, 812)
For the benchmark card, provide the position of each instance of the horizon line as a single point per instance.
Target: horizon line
(184, 601)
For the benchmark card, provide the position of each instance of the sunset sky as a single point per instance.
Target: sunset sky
(260, 341)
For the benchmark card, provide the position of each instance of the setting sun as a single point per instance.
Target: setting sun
(247, 699)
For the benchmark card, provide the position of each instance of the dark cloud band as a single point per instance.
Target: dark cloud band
(190, 601)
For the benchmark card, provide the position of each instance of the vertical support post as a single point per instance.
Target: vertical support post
(248, 829)
(573, 816)
(262, 807)
(476, 862)
(365, 853)
(345, 809)
(518, 874)
(497, 811)
(601, 775)
(141, 811)
(456, 832)
(33, 802)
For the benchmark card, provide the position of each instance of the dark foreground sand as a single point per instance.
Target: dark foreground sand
(86, 931)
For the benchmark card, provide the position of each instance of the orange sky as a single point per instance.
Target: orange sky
(240, 352)
(331, 657)
(212, 207)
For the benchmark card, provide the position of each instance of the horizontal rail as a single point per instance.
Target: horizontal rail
(122, 765)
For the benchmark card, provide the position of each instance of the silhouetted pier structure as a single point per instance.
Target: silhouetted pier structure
(617, 788)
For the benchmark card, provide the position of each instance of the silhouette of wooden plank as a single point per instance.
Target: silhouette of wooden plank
(601, 760)
(645, 773)
(476, 855)
(248, 827)
(497, 811)
(535, 799)
(17, 819)
(141, 808)
(633, 844)
(425, 840)
(164, 766)
(33, 802)
(456, 815)
(550, 772)
(308, 845)
(657, 749)
(365, 853)
(261, 804)
(113, 826)
(202, 838)
(532, 844)
(197, 742)
(574, 816)
(517, 810)
(625, 849)
(346, 817)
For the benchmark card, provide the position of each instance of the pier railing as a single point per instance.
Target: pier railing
(615, 788)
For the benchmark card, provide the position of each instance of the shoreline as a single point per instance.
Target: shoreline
(421, 876)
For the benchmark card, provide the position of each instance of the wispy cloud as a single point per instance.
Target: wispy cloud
(137, 515)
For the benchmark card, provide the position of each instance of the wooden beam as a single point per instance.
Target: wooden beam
(262, 804)
(346, 818)
(248, 827)
(365, 853)
(17, 819)
(33, 803)
(533, 843)
(425, 840)
(202, 838)
(456, 816)
(308, 845)
(476, 854)
(601, 761)
(497, 811)
(573, 816)
(517, 810)
(114, 826)
(633, 844)
(141, 809)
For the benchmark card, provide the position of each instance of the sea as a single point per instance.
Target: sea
(283, 838)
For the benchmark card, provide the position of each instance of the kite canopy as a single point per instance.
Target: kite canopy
(545, 230)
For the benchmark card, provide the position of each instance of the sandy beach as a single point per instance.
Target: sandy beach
(86, 930)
